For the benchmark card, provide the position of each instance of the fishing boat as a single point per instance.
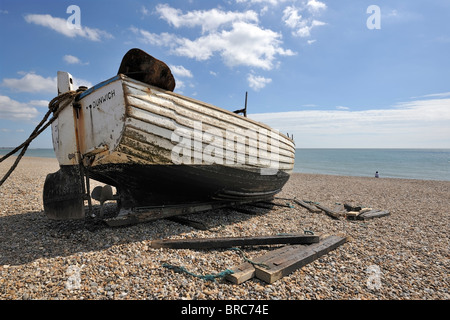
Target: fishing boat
(165, 154)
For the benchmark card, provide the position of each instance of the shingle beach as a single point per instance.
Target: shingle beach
(398, 257)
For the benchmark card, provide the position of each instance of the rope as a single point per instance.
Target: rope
(265, 266)
(213, 277)
(209, 277)
(56, 106)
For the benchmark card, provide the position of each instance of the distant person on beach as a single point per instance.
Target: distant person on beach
(376, 175)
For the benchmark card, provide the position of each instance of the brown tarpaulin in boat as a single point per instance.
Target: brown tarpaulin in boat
(141, 66)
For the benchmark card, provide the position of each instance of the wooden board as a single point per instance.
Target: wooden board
(328, 211)
(307, 206)
(246, 270)
(229, 242)
(296, 257)
(277, 204)
(373, 214)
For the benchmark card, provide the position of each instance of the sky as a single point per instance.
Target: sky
(334, 74)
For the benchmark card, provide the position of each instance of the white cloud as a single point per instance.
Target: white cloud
(257, 82)
(14, 110)
(235, 36)
(292, 17)
(414, 124)
(73, 60)
(315, 6)
(31, 82)
(209, 20)
(60, 25)
(145, 11)
(436, 95)
(245, 44)
(164, 39)
(181, 71)
(302, 25)
(39, 103)
(271, 2)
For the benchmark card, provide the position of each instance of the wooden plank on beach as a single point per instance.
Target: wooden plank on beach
(278, 204)
(307, 206)
(373, 214)
(339, 208)
(228, 242)
(328, 211)
(296, 257)
(352, 214)
(246, 270)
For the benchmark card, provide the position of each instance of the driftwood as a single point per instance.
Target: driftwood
(277, 204)
(307, 206)
(246, 270)
(373, 214)
(280, 262)
(229, 242)
(296, 257)
(328, 211)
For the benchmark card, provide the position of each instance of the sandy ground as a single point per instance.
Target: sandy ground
(401, 256)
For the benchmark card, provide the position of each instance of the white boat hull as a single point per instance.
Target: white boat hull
(160, 148)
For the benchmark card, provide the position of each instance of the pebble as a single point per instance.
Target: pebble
(403, 256)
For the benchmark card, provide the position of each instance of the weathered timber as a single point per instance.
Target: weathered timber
(373, 214)
(307, 206)
(328, 211)
(246, 270)
(229, 242)
(296, 257)
(365, 210)
(352, 214)
(188, 222)
(350, 207)
(339, 208)
(277, 204)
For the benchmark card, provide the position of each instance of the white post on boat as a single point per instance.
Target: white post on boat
(65, 82)
(63, 128)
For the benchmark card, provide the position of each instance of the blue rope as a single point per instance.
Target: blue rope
(209, 277)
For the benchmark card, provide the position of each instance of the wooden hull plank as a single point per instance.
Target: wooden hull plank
(229, 242)
(296, 257)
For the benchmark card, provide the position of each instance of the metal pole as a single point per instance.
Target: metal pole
(245, 108)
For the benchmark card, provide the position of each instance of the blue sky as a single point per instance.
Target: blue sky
(316, 69)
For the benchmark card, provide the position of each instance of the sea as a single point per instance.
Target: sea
(422, 164)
